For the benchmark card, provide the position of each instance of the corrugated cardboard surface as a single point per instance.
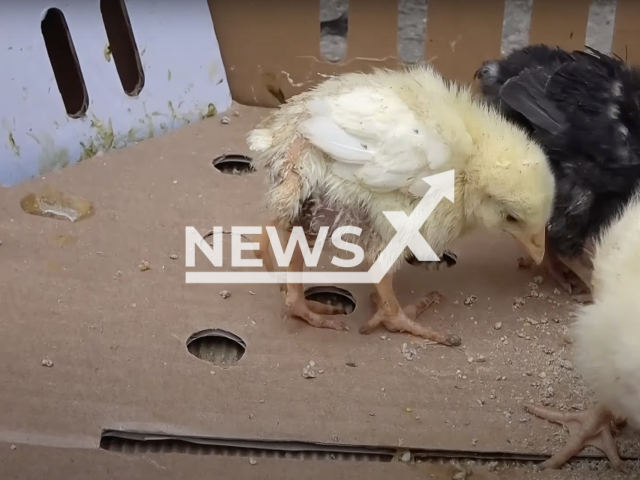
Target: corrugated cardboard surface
(35, 463)
(74, 293)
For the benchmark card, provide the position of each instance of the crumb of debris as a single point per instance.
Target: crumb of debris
(119, 273)
(538, 280)
(173, 256)
(474, 442)
(470, 300)
(497, 326)
(409, 409)
(212, 372)
(225, 120)
(409, 353)
(351, 363)
(47, 362)
(406, 457)
(518, 302)
(262, 400)
(252, 461)
(0, 242)
(175, 182)
(236, 114)
(372, 414)
(13, 447)
(492, 466)
(144, 266)
(556, 291)
(252, 292)
(481, 359)
(225, 293)
(251, 416)
(309, 371)
(525, 262)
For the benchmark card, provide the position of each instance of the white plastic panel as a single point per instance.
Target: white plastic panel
(184, 80)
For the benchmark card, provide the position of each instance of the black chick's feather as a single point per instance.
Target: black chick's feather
(584, 110)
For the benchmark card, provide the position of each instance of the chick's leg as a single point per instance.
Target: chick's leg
(396, 319)
(315, 314)
(263, 253)
(591, 427)
(582, 268)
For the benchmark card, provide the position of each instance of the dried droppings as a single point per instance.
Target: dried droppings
(144, 266)
(173, 256)
(47, 362)
(470, 300)
(409, 353)
(309, 371)
(518, 302)
(225, 294)
(566, 364)
(225, 120)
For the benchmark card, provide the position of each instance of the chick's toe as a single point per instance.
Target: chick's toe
(592, 427)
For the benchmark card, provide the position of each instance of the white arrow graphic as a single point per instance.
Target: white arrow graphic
(408, 235)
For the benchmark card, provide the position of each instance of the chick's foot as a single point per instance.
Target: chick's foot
(590, 427)
(403, 320)
(315, 314)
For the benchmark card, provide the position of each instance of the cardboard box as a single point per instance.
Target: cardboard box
(100, 378)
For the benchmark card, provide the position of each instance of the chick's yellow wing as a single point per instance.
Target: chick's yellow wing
(375, 140)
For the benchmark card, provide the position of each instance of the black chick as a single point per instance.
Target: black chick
(584, 109)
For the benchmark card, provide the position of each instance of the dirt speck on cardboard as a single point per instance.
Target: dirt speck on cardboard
(144, 266)
(47, 362)
(173, 256)
(225, 294)
(310, 371)
(225, 120)
(470, 300)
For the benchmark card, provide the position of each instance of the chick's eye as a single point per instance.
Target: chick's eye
(511, 219)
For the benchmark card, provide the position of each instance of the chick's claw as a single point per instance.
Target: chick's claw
(404, 320)
(591, 427)
(315, 314)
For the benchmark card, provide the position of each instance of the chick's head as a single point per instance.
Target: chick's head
(512, 189)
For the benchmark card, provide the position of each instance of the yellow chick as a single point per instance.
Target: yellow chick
(358, 145)
(607, 343)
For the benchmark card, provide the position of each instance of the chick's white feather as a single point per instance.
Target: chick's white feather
(376, 130)
(607, 333)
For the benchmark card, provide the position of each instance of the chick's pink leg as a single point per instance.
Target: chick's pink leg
(591, 427)
(396, 319)
(315, 314)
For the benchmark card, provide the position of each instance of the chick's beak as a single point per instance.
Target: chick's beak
(534, 244)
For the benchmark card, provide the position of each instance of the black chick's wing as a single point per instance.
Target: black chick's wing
(527, 95)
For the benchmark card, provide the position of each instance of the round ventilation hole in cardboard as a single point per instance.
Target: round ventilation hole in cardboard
(335, 296)
(216, 346)
(234, 164)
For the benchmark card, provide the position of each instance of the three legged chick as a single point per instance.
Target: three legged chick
(357, 147)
